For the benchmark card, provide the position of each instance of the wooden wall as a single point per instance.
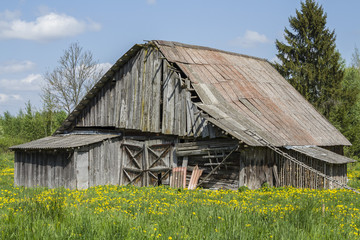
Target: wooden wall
(97, 164)
(259, 165)
(254, 166)
(146, 94)
(113, 161)
(124, 162)
(145, 162)
(290, 174)
(103, 164)
(335, 149)
(249, 166)
(45, 168)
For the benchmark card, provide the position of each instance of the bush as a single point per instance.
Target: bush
(6, 142)
(243, 189)
(28, 126)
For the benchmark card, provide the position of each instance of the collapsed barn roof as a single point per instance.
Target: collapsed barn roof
(239, 93)
(242, 93)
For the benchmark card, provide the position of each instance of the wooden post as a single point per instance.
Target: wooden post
(145, 165)
(185, 161)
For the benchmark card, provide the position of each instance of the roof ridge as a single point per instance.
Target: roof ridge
(173, 43)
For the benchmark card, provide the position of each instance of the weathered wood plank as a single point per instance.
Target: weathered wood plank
(23, 168)
(129, 95)
(177, 105)
(156, 85)
(107, 159)
(28, 168)
(82, 166)
(123, 97)
(60, 162)
(149, 90)
(139, 101)
(135, 91)
(145, 165)
(189, 114)
(111, 105)
(72, 171)
(119, 92)
(168, 105)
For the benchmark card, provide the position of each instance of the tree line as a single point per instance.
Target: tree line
(28, 125)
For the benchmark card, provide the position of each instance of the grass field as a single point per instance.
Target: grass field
(114, 212)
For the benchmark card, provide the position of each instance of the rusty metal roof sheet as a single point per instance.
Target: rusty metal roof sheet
(64, 141)
(239, 92)
(322, 154)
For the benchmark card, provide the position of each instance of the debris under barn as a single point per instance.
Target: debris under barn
(165, 106)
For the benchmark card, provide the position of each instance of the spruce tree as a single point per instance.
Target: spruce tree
(309, 59)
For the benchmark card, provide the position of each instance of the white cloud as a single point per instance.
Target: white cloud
(9, 15)
(151, 2)
(104, 67)
(16, 66)
(250, 39)
(32, 82)
(8, 97)
(50, 26)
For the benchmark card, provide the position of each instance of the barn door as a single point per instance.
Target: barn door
(82, 170)
(146, 163)
(158, 163)
(133, 163)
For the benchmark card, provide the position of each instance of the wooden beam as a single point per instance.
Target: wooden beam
(217, 167)
(201, 151)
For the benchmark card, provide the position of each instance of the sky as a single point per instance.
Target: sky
(34, 34)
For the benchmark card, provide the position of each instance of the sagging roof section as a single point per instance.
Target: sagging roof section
(321, 154)
(64, 141)
(239, 92)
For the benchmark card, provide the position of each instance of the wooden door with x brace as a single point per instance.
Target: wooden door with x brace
(146, 163)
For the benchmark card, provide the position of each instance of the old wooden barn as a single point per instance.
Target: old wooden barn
(165, 105)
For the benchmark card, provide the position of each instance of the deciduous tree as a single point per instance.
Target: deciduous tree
(69, 82)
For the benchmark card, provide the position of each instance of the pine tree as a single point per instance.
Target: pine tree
(309, 59)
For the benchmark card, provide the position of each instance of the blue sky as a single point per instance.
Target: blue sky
(34, 34)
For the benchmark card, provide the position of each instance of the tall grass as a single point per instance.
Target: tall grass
(354, 174)
(115, 212)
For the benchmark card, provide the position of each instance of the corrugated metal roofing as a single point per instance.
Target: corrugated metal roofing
(322, 154)
(239, 92)
(64, 141)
